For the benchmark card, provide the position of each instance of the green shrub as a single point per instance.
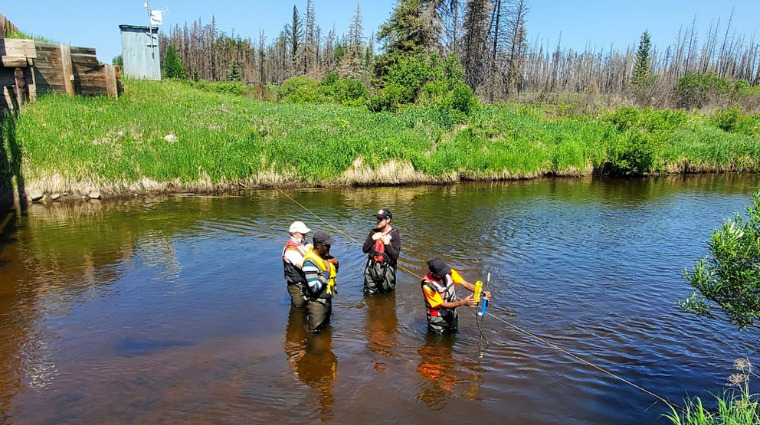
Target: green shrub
(298, 90)
(460, 99)
(427, 81)
(349, 92)
(631, 153)
(730, 276)
(694, 90)
(631, 118)
(742, 87)
(733, 121)
(331, 89)
(726, 118)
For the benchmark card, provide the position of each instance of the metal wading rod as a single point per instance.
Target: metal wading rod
(515, 327)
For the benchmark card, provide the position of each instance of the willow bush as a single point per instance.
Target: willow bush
(729, 277)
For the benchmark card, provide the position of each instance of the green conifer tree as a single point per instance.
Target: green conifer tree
(234, 74)
(641, 76)
(173, 66)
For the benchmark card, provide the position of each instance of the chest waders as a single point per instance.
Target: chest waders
(440, 319)
(379, 275)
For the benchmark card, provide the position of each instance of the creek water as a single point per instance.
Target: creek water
(174, 309)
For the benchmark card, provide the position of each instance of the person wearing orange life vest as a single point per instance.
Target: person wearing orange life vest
(438, 287)
(292, 262)
(320, 269)
(383, 245)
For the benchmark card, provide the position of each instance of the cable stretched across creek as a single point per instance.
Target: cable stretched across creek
(511, 325)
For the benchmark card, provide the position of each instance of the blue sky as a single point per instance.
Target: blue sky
(597, 23)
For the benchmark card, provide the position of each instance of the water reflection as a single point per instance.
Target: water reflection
(312, 359)
(147, 286)
(443, 376)
(381, 326)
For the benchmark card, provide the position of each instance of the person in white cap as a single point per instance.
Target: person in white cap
(292, 263)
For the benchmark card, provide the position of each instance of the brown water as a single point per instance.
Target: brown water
(174, 310)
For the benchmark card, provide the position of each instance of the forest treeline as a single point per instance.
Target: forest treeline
(489, 38)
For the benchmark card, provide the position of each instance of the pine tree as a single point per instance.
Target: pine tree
(401, 36)
(173, 66)
(640, 77)
(234, 74)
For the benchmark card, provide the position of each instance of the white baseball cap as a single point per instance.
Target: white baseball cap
(299, 227)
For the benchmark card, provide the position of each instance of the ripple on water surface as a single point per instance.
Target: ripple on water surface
(176, 311)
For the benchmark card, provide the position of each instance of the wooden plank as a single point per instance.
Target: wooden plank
(30, 53)
(111, 87)
(47, 48)
(93, 82)
(95, 70)
(84, 67)
(47, 55)
(13, 61)
(49, 63)
(119, 84)
(68, 72)
(50, 88)
(88, 63)
(21, 95)
(85, 59)
(32, 81)
(6, 26)
(54, 64)
(17, 47)
(75, 50)
(7, 97)
(49, 78)
(82, 55)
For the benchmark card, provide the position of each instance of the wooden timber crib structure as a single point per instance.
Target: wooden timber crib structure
(29, 68)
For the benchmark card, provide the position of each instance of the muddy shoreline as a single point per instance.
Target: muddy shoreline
(40, 192)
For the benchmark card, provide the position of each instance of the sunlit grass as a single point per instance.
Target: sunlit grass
(172, 132)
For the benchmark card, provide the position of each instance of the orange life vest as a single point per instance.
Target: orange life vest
(379, 251)
(293, 274)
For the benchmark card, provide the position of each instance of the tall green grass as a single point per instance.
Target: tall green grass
(169, 131)
(20, 35)
(736, 407)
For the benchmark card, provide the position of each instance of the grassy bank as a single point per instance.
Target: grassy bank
(171, 136)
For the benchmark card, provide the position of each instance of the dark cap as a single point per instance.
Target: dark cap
(321, 237)
(384, 213)
(437, 266)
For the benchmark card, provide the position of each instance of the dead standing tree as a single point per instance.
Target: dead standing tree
(476, 26)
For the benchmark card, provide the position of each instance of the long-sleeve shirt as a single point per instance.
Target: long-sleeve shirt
(392, 250)
(316, 279)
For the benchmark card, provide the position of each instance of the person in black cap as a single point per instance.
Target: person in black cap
(438, 287)
(320, 269)
(383, 245)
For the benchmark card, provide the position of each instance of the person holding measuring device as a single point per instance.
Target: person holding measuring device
(438, 287)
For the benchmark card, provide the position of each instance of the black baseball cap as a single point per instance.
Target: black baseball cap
(438, 266)
(384, 213)
(321, 237)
